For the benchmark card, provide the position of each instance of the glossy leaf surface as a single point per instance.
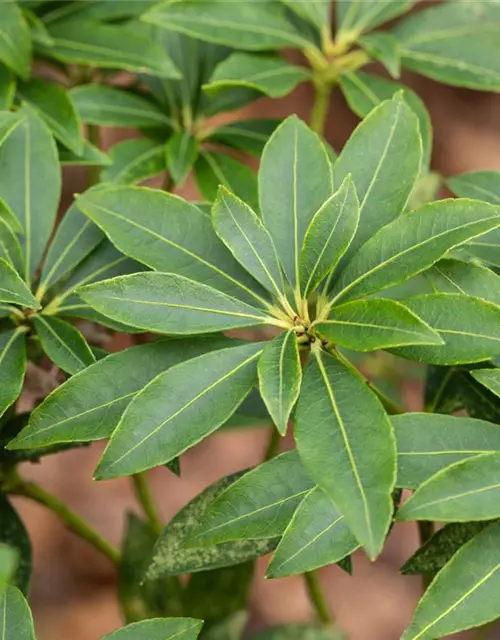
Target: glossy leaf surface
(16, 616)
(159, 629)
(465, 491)
(167, 234)
(413, 243)
(428, 443)
(317, 535)
(328, 236)
(383, 156)
(208, 390)
(168, 303)
(83, 409)
(272, 76)
(134, 161)
(30, 187)
(356, 462)
(247, 238)
(280, 377)
(367, 325)
(294, 182)
(252, 26)
(462, 594)
(468, 326)
(174, 555)
(258, 505)
(64, 344)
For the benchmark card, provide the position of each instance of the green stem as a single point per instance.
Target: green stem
(146, 500)
(93, 172)
(319, 112)
(425, 533)
(73, 521)
(317, 597)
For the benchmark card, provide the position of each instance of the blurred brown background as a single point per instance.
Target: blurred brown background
(73, 587)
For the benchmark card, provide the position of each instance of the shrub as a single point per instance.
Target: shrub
(324, 256)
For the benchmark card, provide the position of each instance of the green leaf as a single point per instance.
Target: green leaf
(15, 40)
(13, 533)
(141, 600)
(427, 189)
(134, 161)
(63, 343)
(182, 152)
(441, 547)
(103, 10)
(113, 107)
(454, 43)
(73, 241)
(182, 242)
(454, 276)
(7, 87)
(357, 16)
(271, 75)
(246, 237)
(428, 443)
(258, 505)
(8, 564)
(463, 593)
(31, 188)
(299, 632)
(16, 616)
(54, 105)
(10, 249)
(168, 303)
(12, 367)
(367, 325)
(464, 491)
(477, 400)
(484, 185)
(84, 409)
(385, 150)
(7, 216)
(317, 12)
(468, 326)
(442, 391)
(280, 377)
(413, 243)
(356, 463)
(39, 33)
(249, 136)
(231, 628)
(215, 169)
(8, 122)
(13, 289)
(106, 46)
(294, 183)
(364, 91)
(91, 156)
(215, 595)
(317, 535)
(173, 553)
(157, 426)
(103, 262)
(383, 47)
(328, 236)
(490, 378)
(159, 629)
(252, 26)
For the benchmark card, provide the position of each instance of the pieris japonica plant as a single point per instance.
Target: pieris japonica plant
(257, 303)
